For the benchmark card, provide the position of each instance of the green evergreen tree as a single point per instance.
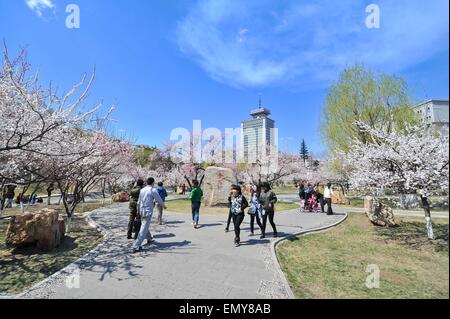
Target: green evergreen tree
(304, 152)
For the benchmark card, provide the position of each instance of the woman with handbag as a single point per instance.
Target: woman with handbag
(255, 211)
(268, 200)
(238, 204)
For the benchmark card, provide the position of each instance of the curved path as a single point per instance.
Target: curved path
(182, 263)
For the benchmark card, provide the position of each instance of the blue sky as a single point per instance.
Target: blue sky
(166, 63)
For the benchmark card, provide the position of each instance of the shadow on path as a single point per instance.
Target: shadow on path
(210, 225)
(253, 242)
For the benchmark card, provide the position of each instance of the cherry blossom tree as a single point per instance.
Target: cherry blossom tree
(33, 117)
(36, 122)
(413, 162)
(98, 158)
(270, 166)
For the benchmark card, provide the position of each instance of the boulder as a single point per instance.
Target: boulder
(217, 184)
(378, 213)
(45, 229)
(121, 197)
(339, 199)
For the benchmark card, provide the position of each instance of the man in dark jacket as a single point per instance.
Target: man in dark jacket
(163, 194)
(10, 192)
(134, 197)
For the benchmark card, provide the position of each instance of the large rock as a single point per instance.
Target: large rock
(217, 184)
(121, 197)
(378, 213)
(339, 199)
(45, 229)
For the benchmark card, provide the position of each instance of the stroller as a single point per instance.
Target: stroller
(310, 204)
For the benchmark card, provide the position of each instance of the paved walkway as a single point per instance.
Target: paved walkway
(183, 263)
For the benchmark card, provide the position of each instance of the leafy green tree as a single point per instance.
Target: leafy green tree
(142, 154)
(360, 94)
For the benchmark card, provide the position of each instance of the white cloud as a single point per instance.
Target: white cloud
(306, 44)
(39, 6)
(241, 35)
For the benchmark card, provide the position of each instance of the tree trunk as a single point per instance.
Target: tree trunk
(103, 184)
(68, 224)
(68, 212)
(3, 197)
(342, 189)
(429, 223)
(21, 195)
(63, 189)
(188, 181)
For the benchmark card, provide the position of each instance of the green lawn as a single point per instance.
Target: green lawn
(359, 203)
(24, 267)
(184, 206)
(285, 189)
(333, 264)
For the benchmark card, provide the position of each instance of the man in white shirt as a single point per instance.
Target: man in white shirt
(328, 195)
(147, 198)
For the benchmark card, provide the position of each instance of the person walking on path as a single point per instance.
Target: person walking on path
(230, 215)
(49, 190)
(163, 194)
(318, 190)
(196, 200)
(328, 195)
(134, 197)
(238, 204)
(255, 210)
(10, 193)
(302, 195)
(145, 204)
(268, 200)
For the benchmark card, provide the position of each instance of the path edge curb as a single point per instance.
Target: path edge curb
(275, 243)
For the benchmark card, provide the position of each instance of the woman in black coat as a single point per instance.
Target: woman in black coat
(238, 205)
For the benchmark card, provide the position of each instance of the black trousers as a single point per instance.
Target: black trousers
(237, 221)
(252, 222)
(322, 202)
(230, 215)
(269, 215)
(329, 208)
(133, 214)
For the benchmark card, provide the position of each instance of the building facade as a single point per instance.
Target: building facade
(435, 113)
(257, 133)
